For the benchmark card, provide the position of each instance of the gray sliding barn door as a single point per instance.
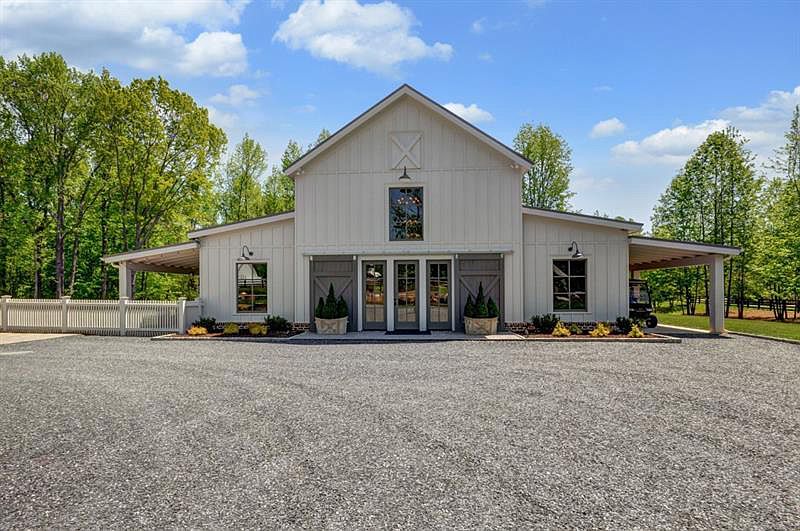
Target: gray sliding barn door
(471, 271)
(341, 272)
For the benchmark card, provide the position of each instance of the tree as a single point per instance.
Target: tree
(241, 196)
(321, 137)
(546, 184)
(279, 188)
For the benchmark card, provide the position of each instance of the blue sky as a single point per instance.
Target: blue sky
(632, 87)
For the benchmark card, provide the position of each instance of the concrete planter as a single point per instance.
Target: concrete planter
(480, 327)
(331, 326)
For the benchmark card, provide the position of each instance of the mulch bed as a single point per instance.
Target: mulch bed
(237, 337)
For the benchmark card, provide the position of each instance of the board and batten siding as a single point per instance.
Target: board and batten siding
(471, 198)
(272, 243)
(606, 252)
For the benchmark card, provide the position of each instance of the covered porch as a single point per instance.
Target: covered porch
(180, 258)
(653, 253)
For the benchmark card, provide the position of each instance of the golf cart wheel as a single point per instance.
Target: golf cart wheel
(651, 321)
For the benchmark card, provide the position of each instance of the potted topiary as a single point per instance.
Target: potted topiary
(480, 316)
(330, 315)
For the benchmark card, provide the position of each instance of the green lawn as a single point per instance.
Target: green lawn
(748, 326)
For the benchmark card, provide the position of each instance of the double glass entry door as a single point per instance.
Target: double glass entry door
(406, 295)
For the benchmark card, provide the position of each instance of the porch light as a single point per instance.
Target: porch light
(577, 253)
(246, 255)
(405, 176)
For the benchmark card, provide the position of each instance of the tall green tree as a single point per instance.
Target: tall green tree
(546, 184)
(241, 196)
(279, 188)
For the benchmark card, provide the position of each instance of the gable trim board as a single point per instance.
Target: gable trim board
(472, 218)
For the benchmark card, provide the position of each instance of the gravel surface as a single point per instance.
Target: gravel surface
(126, 432)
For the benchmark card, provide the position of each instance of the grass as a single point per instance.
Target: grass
(747, 326)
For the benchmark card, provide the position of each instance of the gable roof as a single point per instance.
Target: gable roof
(408, 90)
(630, 226)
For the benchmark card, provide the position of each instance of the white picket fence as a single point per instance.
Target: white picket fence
(108, 317)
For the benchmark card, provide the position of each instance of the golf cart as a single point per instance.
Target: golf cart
(639, 305)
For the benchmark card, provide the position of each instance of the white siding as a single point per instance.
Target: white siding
(471, 198)
(273, 243)
(606, 252)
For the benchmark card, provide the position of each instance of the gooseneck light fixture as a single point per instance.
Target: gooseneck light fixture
(246, 254)
(577, 253)
(405, 176)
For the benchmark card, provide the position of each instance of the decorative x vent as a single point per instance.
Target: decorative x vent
(405, 149)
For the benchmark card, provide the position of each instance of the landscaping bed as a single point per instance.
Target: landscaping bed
(549, 327)
(273, 327)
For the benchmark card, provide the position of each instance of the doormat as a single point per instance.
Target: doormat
(409, 333)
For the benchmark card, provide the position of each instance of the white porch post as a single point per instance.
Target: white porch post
(124, 280)
(5, 301)
(716, 295)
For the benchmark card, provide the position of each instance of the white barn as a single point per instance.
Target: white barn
(406, 210)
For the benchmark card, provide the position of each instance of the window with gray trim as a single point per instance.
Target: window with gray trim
(405, 213)
(569, 285)
(251, 287)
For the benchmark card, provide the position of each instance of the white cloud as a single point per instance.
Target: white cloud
(610, 127)
(149, 37)
(478, 26)
(224, 120)
(764, 125)
(375, 37)
(471, 113)
(237, 95)
(307, 108)
(486, 57)
(602, 88)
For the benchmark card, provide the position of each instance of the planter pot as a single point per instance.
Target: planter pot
(480, 327)
(331, 326)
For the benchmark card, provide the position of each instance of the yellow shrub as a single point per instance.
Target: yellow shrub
(561, 330)
(635, 331)
(231, 329)
(197, 331)
(257, 329)
(601, 330)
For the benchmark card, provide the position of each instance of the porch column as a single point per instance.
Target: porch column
(716, 295)
(124, 280)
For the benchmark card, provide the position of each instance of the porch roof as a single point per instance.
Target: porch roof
(177, 258)
(655, 253)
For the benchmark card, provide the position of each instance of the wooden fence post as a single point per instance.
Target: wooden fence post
(123, 318)
(5, 301)
(64, 313)
(181, 315)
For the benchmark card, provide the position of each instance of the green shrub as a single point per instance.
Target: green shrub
(276, 323)
(625, 324)
(469, 307)
(561, 330)
(209, 323)
(575, 330)
(230, 329)
(494, 311)
(331, 307)
(545, 324)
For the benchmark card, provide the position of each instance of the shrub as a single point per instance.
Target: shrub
(635, 331)
(197, 331)
(491, 306)
(469, 307)
(546, 323)
(481, 309)
(276, 323)
(561, 330)
(257, 329)
(230, 329)
(623, 324)
(575, 330)
(600, 330)
(331, 307)
(209, 323)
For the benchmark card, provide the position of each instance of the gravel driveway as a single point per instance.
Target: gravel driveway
(126, 432)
